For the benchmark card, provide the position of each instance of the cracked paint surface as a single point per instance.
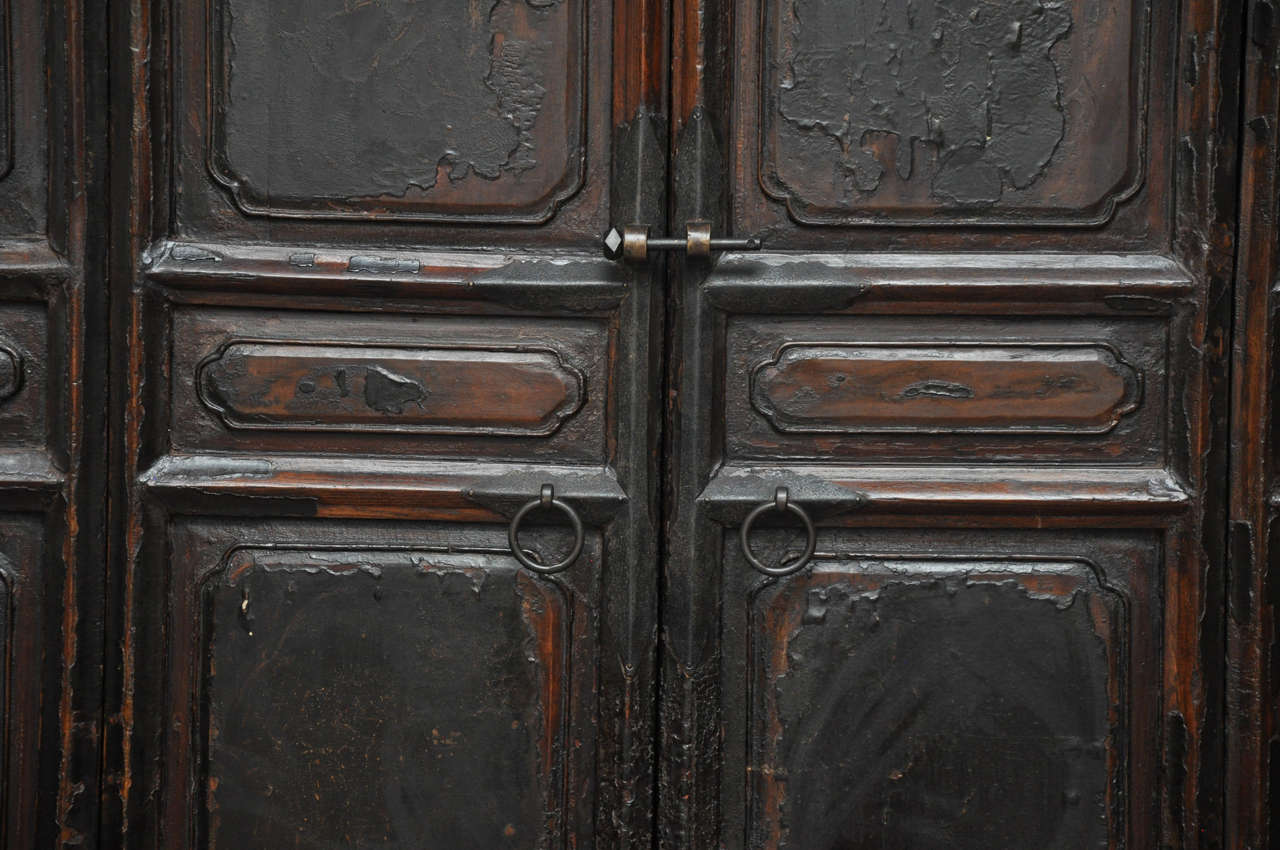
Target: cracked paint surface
(954, 111)
(330, 101)
(975, 83)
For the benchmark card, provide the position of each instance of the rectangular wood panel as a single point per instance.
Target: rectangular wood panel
(1089, 389)
(386, 684)
(996, 122)
(403, 697)
(890, 706)
(968, 688)
(936, 113)
(334, 121)
(295, 381)
(397, 110)
(27, 173)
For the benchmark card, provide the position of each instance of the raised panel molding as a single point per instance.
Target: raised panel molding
(291, 386)
(824, 388)
(1010, 111)
(446, 111)
(394, 696)
(878, 681)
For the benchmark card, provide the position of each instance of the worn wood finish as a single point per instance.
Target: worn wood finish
(1072, 163)
(52, 464)
(864, 716)
(362, 320)
(1253, 698)
(339, 690)
(359, 318)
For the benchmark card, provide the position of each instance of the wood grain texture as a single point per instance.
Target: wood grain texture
(360, 318)
(941, 388)
(1253, 692)
(316, 387)
(53, 464)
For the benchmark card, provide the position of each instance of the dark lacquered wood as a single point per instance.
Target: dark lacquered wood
(955, 203)
(1253, 701)
(334, 690)
(359, 318)
(864, 716)
(348, 356)
(52, 417)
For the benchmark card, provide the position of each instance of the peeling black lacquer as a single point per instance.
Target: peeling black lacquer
(388, 392)
(972, 87)
(379, 104)
(389, 133)
(920, 114)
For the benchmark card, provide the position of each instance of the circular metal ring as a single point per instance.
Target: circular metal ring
(780, 502)
(546, 499)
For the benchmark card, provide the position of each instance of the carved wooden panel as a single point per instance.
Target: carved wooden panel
(941, 387)
(293, 381)
(891, 707)
(398, 109)
(24, 367)
(939, 112)
(941, 686)
(408, 687)
(929, 387)
(313, 387)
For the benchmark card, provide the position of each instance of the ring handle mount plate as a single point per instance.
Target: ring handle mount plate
(781, 502)
(546, 499)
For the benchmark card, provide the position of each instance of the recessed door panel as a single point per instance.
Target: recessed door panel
(901, 113)
(421, 692)
(890, 707)
(397, 110)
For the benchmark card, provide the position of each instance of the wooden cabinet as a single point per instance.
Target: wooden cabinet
(354, 494)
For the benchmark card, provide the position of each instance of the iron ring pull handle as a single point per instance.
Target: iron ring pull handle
(546, 499)
(781, 502)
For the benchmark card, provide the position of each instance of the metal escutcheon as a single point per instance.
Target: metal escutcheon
(781, 502)
(546, 499)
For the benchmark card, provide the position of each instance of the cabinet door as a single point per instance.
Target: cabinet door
(363, 320)
(983, 352)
